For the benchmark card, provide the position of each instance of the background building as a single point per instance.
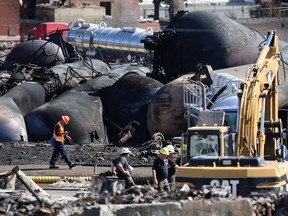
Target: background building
(9, 17)
(18, 16)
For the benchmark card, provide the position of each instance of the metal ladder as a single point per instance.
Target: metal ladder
(194, 99)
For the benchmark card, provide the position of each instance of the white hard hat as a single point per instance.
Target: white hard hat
(170, 148)
(125, 151)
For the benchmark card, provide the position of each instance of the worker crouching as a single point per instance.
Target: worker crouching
(122, 169)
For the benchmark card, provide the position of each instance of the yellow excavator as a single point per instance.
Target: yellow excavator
(254, 163)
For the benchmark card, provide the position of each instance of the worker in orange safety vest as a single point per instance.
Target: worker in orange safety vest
(59, 134)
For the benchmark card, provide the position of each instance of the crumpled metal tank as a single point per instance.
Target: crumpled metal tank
(166, 111)
(84, 106)
(38, 52)
(202, 37)
(127, 100)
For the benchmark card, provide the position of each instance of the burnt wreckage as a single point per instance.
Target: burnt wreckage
(108, 78)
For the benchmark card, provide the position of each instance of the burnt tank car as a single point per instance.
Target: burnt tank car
(189, 39)
(201, 37)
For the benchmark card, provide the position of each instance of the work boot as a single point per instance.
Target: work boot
(72, 165)
(53, 167)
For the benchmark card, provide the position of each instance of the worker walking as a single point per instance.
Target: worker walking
(160, 170)
(172, 166)
(59, 134)
(122, 169)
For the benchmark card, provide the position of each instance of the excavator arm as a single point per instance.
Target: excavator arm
(258, 110)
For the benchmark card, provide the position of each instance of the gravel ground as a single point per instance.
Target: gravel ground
(23, 153)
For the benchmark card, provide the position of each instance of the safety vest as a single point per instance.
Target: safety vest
(59, 138)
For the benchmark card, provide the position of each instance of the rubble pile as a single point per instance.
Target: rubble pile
(108, 192)
(23, 203)
(18, 203)
(5, 48)
(270, 204)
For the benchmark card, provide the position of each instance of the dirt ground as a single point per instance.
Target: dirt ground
(23, 153)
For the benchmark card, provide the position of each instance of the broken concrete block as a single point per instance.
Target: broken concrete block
(7, 181)
(100, 184)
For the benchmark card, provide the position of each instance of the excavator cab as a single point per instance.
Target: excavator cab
(208, 141)
(209, 138)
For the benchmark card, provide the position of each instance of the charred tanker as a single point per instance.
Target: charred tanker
(37, 52)
(84, 106)
(189, 40)
(131, 95)
(197, 38)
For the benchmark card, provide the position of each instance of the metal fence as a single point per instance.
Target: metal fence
(230, 11)
(149, 13)
(269, 12)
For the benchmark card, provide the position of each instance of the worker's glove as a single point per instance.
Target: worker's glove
(155, 186)
(130, 169)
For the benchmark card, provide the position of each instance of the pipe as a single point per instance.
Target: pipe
(54, 179)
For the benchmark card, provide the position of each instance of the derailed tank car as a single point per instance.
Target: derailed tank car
(197, 38)
(189, 40)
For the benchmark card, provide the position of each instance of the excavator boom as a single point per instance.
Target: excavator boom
(259, 102)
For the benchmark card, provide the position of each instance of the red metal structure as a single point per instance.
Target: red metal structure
(43, 30)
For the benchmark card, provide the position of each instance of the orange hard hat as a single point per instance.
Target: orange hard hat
(66, 119)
